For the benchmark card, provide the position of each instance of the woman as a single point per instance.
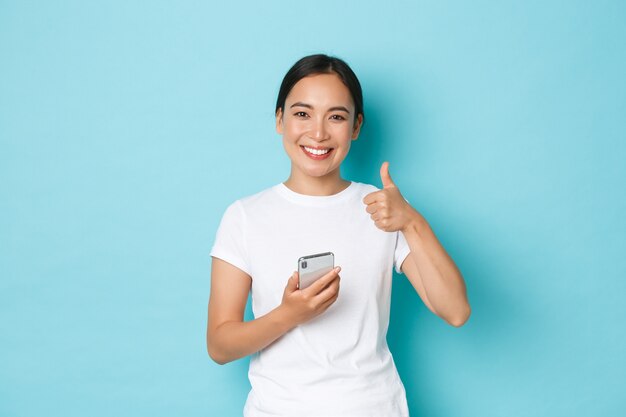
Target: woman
(322, 350)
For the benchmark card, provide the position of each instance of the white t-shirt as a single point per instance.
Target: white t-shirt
(337, 364)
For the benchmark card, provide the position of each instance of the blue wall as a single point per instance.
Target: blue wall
(127, 127)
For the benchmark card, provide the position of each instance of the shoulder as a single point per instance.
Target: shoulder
(259, 198)
(250, 202)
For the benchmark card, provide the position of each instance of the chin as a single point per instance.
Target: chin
(318, 173)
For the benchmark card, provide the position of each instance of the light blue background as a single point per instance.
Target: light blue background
(127, 127)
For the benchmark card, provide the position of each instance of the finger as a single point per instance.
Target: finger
(321, 283)
(371, 197)
(383, 224)
(330, 291)
(329, 302)
(385, 177)
(292, 283)
(371, 208)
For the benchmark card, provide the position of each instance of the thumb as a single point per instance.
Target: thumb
(385, 177)
(292, 284)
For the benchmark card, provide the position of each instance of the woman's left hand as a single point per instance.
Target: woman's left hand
(387, 208)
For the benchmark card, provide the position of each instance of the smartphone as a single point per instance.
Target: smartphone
(313, 267)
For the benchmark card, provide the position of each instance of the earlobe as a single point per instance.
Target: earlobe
(279, 121)
(357, 127)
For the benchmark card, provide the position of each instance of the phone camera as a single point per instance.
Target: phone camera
(303, 264)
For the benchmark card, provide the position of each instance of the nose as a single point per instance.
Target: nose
(318, 131)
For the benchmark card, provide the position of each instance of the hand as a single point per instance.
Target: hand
(389, 210)
(301, 306)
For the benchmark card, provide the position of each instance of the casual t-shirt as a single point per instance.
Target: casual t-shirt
(338, 363)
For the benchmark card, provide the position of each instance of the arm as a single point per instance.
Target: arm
(433, 273)
(229, 337)
(428, 267)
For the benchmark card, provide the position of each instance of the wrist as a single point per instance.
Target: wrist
(282, 319)
(415, 221)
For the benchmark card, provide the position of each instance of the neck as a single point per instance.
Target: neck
(317, 186)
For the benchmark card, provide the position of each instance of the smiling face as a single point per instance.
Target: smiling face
(318, 124)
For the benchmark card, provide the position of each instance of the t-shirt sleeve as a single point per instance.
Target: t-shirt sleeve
(401, 252)
(230, 242)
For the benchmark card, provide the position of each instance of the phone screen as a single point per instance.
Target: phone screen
(313, 267)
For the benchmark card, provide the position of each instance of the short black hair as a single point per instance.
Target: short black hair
(321, 64)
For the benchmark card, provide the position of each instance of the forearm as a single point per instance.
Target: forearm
(441, 279)
(235, 339)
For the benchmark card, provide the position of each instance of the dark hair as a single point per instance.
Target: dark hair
(321, 64)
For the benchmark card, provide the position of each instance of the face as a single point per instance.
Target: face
(318, 125)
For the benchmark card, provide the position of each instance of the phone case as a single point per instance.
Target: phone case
(313, 267)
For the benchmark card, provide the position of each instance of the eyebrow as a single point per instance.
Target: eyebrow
(308, 106)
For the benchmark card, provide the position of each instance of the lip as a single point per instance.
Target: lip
(317, 157)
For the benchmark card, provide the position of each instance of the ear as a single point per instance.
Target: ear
(357, 126)
(279, 121)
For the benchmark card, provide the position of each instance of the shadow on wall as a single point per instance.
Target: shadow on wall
(430, 354)
(374, 144)
(422, 343)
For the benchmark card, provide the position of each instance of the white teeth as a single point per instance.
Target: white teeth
(317, 151)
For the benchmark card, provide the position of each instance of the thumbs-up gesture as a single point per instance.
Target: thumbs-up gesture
(389, 210)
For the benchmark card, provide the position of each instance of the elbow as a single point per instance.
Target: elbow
(216, 357)
(215, 354)
(217, 349)
(461, 318)
(218, 360)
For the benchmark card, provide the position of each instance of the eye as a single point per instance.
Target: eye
(337, 117)
(300, 114)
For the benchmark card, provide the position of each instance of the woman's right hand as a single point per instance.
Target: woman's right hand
(300, 306)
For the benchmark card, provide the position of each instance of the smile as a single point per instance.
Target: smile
(316, 154)
(316, 151)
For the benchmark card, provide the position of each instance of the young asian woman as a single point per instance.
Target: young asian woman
(322, 350)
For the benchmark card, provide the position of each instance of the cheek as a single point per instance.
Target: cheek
(294, 129)
(343, 133)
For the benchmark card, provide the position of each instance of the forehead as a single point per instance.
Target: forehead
(321, 90)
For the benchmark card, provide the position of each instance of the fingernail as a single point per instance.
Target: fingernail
(337, 269)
